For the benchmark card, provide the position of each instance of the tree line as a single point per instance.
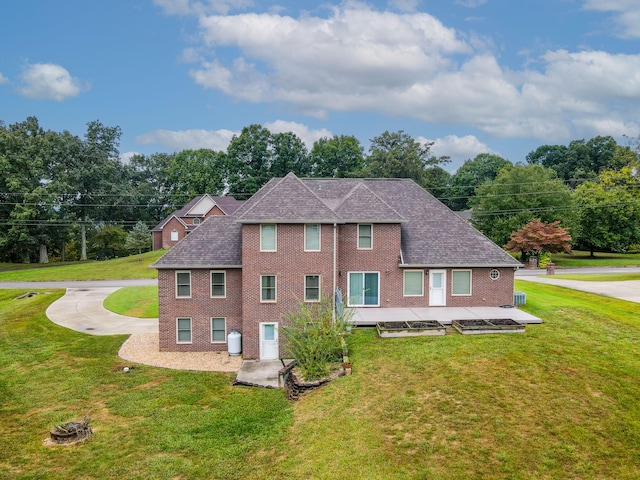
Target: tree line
(74, 198)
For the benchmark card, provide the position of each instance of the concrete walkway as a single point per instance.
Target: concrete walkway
(82, 309)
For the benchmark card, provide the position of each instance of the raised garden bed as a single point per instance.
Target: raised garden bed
(494, 325)
(418, 328)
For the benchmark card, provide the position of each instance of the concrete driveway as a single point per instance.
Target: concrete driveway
(81, 309)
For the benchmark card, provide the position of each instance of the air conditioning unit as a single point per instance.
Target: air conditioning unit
(519, 298)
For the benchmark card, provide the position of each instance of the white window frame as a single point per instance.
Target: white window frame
(275, 237)
(178, 331)
(211, 329)
(349, 304)
(306, 249)
(453, 276)
(497, 274)
(178, 272)
(196, 221)
(404, 283)
(370, 236)
(224, 283)
(174, 235)
(313, 300)
(275, 289)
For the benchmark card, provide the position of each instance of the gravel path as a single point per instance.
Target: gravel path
(144, 348)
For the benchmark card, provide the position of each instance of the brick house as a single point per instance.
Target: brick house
(385, 243)
(181, 222)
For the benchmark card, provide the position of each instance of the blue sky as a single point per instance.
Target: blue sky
(474, 76)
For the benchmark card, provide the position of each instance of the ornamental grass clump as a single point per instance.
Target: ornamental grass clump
(314, 338)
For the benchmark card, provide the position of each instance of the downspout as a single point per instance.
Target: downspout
(333, 293)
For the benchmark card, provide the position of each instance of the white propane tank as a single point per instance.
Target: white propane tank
(234, 340)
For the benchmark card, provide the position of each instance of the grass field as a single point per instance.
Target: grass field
(140, 302)
(604, 277)
(582, 259)
(557, 402)
(135, 266)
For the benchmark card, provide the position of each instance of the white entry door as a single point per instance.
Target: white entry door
(437, 288)
(269, 341)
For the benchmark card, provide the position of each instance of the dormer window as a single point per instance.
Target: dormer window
(196, 221)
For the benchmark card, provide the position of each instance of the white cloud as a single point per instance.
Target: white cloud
(459, 149)
(361, 59)
(626, 14)
(188, 139)
(3, 79)
(49, 81)
(125, 157)
(307, 135)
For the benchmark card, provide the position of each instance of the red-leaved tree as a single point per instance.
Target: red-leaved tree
(537, 237)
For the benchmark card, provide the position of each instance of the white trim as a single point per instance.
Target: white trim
(261, 339)
(211, 330)
(223, 272)
(319, 287)
(197, 204)
(319, 237)
(491, 272)
(470, 282)
(275, 237)
(275, 288)
(171, 235)
(370, 236)
(349, 304)
(190, 331)
(404, 283)
(176, 281)
(444, 288)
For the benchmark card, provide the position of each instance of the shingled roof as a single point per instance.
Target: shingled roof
(227, 204)
(216, 243)
(432, 234)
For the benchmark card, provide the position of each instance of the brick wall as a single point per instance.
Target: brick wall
(290, 263)
(170, 226)
(485, 292)
(200, 308)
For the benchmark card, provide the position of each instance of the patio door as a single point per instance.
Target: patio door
(269, 345)
(437, 288)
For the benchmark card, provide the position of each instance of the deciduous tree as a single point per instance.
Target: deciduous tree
(537, 237)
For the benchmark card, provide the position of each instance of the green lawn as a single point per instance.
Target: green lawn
(599, 277)
(558, 402)
(135, 266)
(140, 302)
(582, 259)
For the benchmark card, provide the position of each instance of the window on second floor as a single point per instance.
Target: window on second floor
(268, 241)
(267, 288)
(312, 288)
(183, 284)
(174, 235)
(312, 237)
(365, 236)
(218, 284)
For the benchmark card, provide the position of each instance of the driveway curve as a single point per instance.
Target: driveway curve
(82, 309)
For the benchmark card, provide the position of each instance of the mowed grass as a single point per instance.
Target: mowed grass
(140, 302)
(557, 402)
(134, 266)
(150, 423)
(583, 259)
(600, 277)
